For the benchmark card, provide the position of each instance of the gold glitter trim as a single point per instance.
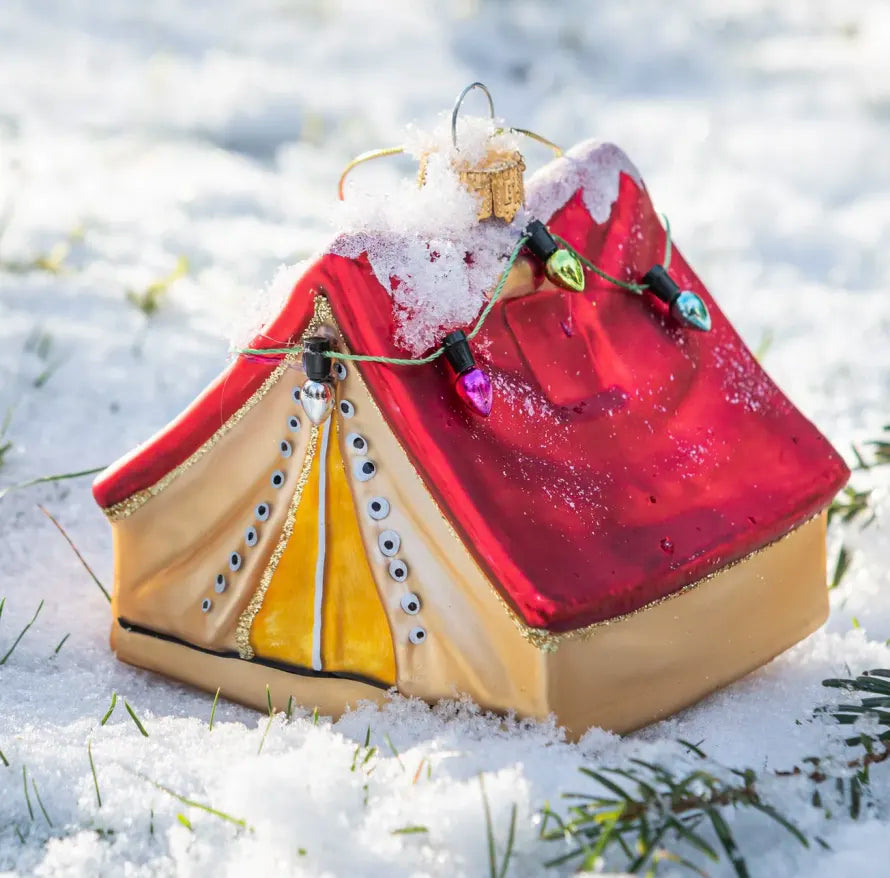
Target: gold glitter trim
(245, 620)
(549, 641)
(129, 505)
(322, 315)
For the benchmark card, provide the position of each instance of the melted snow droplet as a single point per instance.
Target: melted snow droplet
(667, 545)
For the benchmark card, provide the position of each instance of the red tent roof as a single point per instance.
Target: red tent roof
(619, 463)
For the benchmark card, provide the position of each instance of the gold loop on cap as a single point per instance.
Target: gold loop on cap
(532, 136)
(366, 157)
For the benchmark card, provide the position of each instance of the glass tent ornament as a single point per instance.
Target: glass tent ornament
(639, 520)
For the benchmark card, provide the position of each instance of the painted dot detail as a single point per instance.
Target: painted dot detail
(378, 508)
(389, 542)
(410, 603)
(398, 570)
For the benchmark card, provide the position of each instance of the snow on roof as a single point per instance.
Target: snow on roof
(425, 244)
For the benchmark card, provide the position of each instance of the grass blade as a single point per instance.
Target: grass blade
(110, 709)
(691, 837)
(61, 643)
(511, 839)
(54, 478)
(607, 829)
(193, 804)
(782, 821)
(395, 752)
(842, 565)
(27, 796)
(409, 830)
(693, 747)
(269, 724)
(728, 842)
(22, 633)
(608, 784)
(135, 718)
(76, 551)
(93, 770)
(3, 759)
(489, 831)
(213, 708)
(40, 802)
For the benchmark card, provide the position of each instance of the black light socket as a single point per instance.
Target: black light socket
(660, 284)
(316, 364)
(540, 241)
(458, 352)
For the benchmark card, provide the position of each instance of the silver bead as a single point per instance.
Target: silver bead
(317, 398)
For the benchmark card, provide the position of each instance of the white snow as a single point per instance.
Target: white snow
(218, 132)
(417, 238)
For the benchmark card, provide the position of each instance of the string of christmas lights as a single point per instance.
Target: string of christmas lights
(563, 267)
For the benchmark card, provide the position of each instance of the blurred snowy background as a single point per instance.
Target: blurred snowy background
(177, 153)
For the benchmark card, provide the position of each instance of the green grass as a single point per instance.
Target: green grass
(269, 723)
(213, 707)
(149, 300)
(22, 633)
(107, 715)
(93, 770)
(494, 870)
(40, 802)
(27, 795)
(135, 718)
(222, 815)
(76, 551)
(40, 480)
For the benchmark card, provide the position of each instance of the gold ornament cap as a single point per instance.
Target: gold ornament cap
(496, 179)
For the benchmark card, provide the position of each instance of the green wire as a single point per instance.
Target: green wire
(400, 361)
(511, 261)
(639, 289)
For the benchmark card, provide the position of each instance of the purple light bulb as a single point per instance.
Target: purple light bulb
(474, 388)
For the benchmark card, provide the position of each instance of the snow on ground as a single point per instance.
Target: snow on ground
(216, 131)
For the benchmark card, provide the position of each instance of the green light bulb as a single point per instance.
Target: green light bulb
(565, 270)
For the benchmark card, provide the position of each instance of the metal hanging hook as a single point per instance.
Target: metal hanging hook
(394, 150)
(460, 100)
